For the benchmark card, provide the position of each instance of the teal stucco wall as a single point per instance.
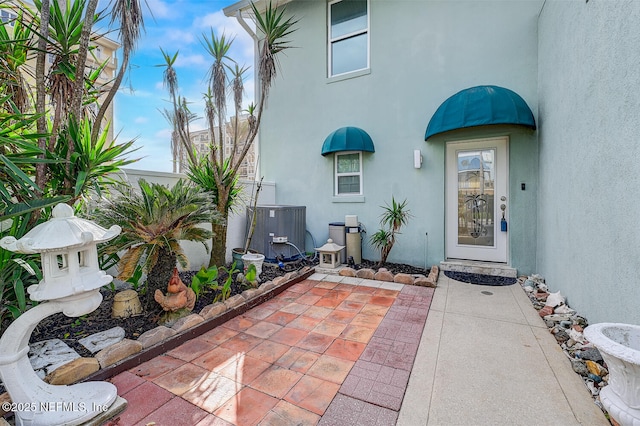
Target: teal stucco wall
(589, 90)
(422, 52)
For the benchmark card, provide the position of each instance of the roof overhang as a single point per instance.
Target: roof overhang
(480, 106)
(244, 5)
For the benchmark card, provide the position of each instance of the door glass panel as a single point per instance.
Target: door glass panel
(476, 205)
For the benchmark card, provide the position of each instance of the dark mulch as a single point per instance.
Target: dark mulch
(480, 279)
(70, 330)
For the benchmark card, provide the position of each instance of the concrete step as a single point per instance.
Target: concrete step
(474, 267)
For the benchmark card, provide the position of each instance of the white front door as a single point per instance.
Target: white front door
(476, 197)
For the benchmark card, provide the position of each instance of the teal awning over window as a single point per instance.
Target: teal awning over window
(480, 106)
(347, 139)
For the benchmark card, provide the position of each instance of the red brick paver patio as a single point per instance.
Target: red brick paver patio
(318, 353)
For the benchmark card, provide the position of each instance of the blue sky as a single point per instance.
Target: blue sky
(176, 25)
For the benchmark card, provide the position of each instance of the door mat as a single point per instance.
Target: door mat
(480, 279)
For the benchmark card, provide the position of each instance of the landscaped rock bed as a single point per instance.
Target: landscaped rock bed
(66, 350)
(567, 327)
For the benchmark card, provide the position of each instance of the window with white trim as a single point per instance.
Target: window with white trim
(348, 173)
(8, 17)
(348, 36)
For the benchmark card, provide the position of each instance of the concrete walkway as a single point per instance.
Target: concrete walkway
(487, 358)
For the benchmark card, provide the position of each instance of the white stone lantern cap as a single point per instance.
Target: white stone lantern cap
(62, 232)
(330, 247)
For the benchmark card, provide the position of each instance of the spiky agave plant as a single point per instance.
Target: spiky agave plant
(154, 220)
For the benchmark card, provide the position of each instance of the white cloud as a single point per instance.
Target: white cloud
(158, 8)
(163, 134)
(126, 92)
(183, 36)
(191, 60)
(140, 120)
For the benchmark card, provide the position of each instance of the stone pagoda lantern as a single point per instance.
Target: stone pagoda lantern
(329, 254)
(71, 285)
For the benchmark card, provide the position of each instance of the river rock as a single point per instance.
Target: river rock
(591, 354)
(236, 300)
(383, 274)
(562, 336)
(403, 279)
(423, 281)
(579, 367)
(73, 371)
(564, 309)
(365, 273)
(47, 355)
(156, 335)
(541, 295)
(268, 286)
(101, 340)
(118, 352)
(213, 310)
(277, 281)
(251, 293)
(546, 311)
(187, 322)
(596, 368)
(347, 272)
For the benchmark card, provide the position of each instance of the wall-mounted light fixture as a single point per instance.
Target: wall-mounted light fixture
(417, 158)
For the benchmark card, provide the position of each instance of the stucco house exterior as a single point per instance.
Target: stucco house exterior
(530, 105)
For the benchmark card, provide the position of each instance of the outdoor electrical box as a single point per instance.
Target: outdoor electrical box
(280, 231)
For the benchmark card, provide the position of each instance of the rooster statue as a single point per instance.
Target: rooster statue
(178, 295)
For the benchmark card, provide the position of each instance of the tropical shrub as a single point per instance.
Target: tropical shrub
(154, 220)
(392, 219)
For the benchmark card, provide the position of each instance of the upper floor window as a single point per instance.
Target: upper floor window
(8, 17)
(348, 36)
(348, 167)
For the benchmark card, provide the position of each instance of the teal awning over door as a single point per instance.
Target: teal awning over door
(480, 106)
(347, 139)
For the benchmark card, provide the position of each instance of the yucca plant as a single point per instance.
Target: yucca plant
(154, 220)
(92, 165)
(392, 219)
(203, 175)
(19, 153)
(15, 45)
(274, 26)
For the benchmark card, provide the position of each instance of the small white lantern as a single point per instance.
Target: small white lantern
(69, 252)
(329, 254)
(71, 284)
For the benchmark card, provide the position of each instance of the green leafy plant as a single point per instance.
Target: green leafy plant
(17, 273)
(135, 278)
(251, 274)
(154, 220)
(392, 219)
(224, 290)
(93, 165)
(204, 279)
(47, 96)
